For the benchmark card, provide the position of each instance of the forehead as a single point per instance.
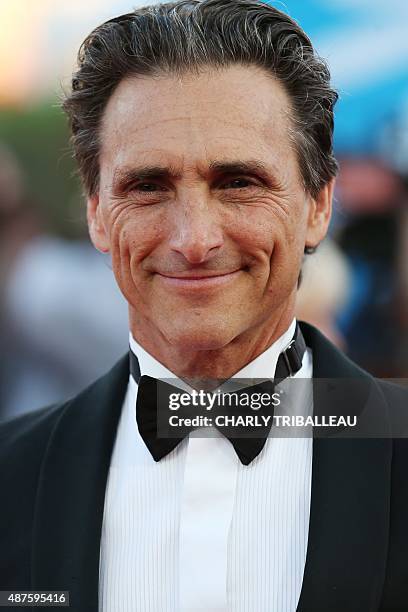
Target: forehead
(238, 110)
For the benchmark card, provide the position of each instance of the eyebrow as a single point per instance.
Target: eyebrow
(124, 176)
(251, 166)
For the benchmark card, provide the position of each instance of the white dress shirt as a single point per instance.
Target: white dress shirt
(198, 530)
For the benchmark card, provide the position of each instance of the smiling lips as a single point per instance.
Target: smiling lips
(199, 281)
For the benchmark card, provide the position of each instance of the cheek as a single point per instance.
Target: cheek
(253, 227)
(273, 235)
(135, 233)
(134, 236)
(263, 230)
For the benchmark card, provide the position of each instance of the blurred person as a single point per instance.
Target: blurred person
(394, 149)
(203, 133)
(37, 365)
(18, 225)
(402, 294)
(324, 291)
(40, 362)
(371, 196)
(75, 326)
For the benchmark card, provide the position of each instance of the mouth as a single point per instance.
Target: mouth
(198, 281)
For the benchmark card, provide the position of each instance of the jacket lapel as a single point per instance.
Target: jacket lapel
(71, 492)
(349, 514)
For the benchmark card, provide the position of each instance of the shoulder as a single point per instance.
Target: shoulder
(23, 444)
(29, 428)
(396, 398)
(31, 442)
(395, 593)
(23, 441)
(395, 394)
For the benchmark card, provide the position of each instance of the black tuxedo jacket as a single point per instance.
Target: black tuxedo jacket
(54, 464)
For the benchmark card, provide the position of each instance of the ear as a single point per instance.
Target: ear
(319, 215)
(96, 227)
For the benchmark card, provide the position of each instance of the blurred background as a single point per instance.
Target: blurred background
(63, 322)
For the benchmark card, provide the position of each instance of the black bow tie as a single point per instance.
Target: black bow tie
(153, 401)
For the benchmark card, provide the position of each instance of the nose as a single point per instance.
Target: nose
(197, 233)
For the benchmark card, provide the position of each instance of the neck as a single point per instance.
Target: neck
(196, 366)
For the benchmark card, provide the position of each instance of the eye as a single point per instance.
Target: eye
(238, 183)
(146, 187)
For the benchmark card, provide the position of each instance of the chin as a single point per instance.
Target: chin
(200, 337)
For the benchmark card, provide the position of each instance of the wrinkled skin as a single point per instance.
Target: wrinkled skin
(246, 227)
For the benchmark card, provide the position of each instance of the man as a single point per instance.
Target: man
(203, 133)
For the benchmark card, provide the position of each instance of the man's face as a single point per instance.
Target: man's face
(201, 204)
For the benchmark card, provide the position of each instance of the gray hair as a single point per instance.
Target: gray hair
(186, 36)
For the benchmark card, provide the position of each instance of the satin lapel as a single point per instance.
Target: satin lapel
(71, 493)
(349, 514)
